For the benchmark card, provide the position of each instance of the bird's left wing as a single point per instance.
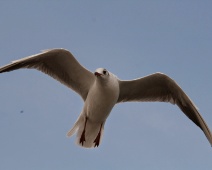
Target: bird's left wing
(59, 64)
(161, 88)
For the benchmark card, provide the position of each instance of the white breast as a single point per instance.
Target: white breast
(101, 99)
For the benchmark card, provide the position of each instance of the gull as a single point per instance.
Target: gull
(102, 90)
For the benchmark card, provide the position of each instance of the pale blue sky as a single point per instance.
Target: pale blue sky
(131, 39)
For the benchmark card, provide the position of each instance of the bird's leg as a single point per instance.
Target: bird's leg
(82, 138)
(97, 140)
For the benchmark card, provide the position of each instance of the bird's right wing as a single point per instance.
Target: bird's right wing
(59, 64)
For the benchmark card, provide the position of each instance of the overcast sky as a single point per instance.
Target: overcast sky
(131, 39)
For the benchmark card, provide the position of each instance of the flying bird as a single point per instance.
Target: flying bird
(102, 90)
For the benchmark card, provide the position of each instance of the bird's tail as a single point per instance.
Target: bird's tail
(89, 134)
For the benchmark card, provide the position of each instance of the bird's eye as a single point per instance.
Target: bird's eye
(104, 72)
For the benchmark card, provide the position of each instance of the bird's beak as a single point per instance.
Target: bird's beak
(97, 74)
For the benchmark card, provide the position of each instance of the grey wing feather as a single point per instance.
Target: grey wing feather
(59, 64)
(161, 88)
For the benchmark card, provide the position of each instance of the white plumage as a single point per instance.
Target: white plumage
(101, 90)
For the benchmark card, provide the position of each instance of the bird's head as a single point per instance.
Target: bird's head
(101, 72)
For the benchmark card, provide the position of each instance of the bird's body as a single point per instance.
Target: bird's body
(100, 100)
(101, 90)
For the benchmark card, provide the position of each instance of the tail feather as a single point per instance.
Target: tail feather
(92, 130)
(73, 130)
